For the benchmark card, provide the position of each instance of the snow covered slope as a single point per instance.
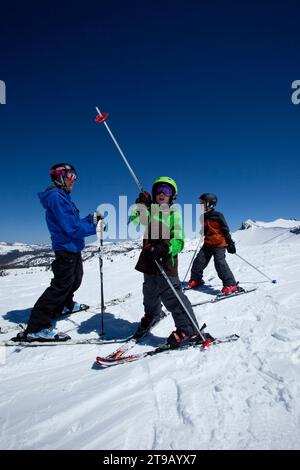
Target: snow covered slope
(243, 395)
(6, 247)
(21, 255)
(256, 232)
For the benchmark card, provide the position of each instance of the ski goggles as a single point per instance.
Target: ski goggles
(164, 188)
(69, 174)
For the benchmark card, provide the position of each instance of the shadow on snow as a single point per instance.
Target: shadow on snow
(113, 327)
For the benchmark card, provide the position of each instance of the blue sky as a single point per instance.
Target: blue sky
(197, 91)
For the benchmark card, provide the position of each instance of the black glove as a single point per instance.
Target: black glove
(231, 247)
(159, 251)
(144, 198)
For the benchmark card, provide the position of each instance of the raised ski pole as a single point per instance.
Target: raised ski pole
(254, 267)
(100, 228)
(102, 118)
(206, 342)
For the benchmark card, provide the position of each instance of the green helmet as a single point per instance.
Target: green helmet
(166, 180)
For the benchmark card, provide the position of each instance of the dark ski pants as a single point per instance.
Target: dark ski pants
(157, 290)
(203, 258)
(68, 271)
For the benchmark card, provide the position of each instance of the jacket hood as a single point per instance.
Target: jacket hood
(43, 195)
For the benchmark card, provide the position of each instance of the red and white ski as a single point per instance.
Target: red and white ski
(112, 360)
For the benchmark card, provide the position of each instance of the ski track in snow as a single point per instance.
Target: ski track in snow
(243, 395)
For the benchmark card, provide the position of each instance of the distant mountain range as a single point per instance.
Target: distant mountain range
(22, 255)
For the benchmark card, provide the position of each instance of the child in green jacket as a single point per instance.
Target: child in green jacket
(163, 240)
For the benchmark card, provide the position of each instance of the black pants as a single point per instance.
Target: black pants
(203, 258)
(68, 271)
(157, 290)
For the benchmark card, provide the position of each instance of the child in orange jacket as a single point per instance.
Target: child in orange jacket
(217, 239)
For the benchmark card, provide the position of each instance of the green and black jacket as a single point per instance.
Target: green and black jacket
(161, 224)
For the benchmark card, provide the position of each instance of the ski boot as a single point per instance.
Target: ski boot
(229, 290)
(178, 339)
(193, 284)
(145, 326)
(44, 335)
(76, 308)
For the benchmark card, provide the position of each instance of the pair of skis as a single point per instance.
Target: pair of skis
(216, 298)
(120, 356)
(99, 340)
(70, 342)
(130, 340)
(220, 297)
(4, 329)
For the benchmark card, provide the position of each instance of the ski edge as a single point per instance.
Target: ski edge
(71, 342)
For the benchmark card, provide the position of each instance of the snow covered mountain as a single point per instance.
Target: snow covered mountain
(243, 395)
(255, 232)
(22, 255)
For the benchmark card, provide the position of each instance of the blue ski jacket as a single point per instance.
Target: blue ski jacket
(66, 228)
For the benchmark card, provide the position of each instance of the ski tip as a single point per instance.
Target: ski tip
(15, 339)
(97, 365)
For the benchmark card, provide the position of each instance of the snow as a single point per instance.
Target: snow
(243, 395)
(6, 247)
(265, 232)
(278, 223)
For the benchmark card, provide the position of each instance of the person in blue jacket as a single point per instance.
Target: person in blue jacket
(67, 232)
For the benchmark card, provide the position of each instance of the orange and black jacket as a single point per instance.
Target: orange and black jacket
(216, 230)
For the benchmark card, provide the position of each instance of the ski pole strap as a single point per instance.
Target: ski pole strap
(254, 267)
(101, 118)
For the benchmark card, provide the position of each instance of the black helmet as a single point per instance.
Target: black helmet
(61, 170)
(210, 200)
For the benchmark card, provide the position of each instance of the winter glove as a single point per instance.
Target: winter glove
(231, 247)
(159, 251)
(144, 198)
(97, 217)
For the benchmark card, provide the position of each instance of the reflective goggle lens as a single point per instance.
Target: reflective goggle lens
(71, 176)
(164, 188)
